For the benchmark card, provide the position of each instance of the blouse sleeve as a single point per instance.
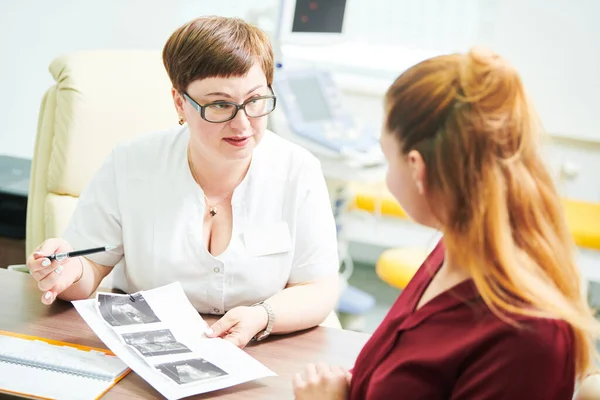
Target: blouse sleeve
(96, 221)
(522, 364)
(315, 252)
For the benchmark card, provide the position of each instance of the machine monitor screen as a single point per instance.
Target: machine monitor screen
(310, 99)
(325, 16)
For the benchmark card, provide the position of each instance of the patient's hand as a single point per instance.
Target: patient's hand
(322, 382)
(239, 325)
(53, 277)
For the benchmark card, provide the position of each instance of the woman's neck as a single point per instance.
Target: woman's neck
(217, 177)
(451, 272)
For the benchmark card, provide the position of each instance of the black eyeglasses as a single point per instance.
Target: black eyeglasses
(223, 111)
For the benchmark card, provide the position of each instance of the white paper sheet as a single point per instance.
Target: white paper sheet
(216, 363)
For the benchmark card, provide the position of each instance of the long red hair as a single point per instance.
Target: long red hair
(470, 119)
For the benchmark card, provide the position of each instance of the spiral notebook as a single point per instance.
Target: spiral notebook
(40, 368)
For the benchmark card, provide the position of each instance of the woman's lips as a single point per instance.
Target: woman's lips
(237, 141)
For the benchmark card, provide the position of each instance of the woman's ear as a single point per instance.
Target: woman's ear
(416, 164)
(178, 100)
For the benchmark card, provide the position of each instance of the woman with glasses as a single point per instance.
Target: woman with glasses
(239, 216)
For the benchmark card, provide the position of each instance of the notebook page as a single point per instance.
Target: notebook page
(49, 384)
(40, 354)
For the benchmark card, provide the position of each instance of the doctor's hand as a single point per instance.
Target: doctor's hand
(322, 382)
(53, 277)
(240, 324)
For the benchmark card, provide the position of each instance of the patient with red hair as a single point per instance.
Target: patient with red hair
(497, 310)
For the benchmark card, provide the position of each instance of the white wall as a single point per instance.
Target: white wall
(555, 45)
(445, 25)
(34, 32)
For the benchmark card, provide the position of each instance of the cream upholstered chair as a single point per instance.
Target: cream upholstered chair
(100, 98)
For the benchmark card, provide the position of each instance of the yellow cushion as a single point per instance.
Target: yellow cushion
(396, 267)
(584, 222)
(583, 217)
(377, 198)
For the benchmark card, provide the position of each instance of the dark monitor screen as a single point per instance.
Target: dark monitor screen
(325, 16)
(310, 99)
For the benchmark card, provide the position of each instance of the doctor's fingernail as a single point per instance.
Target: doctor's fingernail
(45, 263)
(48, 296)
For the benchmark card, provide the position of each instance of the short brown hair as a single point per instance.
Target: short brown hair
(214, 46)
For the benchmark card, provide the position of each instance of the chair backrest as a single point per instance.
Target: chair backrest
(100, 98)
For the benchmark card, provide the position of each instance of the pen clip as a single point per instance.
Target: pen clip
(132, 298)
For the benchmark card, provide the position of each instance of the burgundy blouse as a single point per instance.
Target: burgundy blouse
(455, 348)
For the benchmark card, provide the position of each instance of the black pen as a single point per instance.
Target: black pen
(77, 253)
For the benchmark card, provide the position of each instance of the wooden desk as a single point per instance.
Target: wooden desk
(22, 311)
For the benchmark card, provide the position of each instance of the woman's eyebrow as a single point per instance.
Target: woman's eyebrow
(222, 94)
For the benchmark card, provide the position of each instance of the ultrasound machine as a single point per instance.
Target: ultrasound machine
(310, 108)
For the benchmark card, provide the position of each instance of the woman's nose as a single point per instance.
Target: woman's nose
(240, 121)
